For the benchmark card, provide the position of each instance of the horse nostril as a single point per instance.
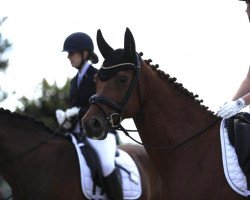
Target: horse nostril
(95, 129)
(95, 124)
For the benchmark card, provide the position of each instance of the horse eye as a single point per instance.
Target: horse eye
(123, 79)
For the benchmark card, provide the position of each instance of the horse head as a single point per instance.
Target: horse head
(117, 88)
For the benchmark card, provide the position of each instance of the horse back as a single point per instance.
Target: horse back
(152, 185)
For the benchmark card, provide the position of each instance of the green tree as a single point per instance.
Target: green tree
(52, 98)
(4, 46)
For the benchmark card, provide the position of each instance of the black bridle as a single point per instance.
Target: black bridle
(115, 118)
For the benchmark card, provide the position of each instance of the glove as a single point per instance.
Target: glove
(60, 116)
(71, 112)
(231, 108)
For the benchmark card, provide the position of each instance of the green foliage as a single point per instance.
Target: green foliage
(44, 108)
(4, 45)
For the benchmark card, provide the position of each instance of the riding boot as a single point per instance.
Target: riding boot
(113, 185)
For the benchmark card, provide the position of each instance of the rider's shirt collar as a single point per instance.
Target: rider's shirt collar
(82, 72)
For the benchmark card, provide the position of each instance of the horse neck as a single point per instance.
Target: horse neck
(169, 116)
(168, 106)
(21, 144)
(18, 133)
(36, 171)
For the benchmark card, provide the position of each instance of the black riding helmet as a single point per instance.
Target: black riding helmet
(78, 42)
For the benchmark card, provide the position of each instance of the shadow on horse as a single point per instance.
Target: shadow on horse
(39, 164)
(181, 136)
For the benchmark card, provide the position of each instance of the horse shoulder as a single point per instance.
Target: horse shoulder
(152, 184)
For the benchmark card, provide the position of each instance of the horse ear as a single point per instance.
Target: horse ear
(103, 46)
(129, 45)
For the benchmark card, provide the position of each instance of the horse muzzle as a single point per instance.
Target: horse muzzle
(95, 128)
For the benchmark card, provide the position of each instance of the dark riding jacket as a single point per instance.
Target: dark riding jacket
(79, 96)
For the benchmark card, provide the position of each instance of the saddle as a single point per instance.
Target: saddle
(238, 128)
(91, 159)
(92, 182)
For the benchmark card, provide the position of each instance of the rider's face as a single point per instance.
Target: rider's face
(75, 59)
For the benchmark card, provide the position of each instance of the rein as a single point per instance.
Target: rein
(29, 150)
(176, 146)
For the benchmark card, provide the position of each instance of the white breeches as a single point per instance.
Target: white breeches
(105, 150)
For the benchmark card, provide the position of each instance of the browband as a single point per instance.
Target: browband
(118, 65)
(106, 73)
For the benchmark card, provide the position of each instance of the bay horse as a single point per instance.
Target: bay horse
(180, 134)
(41, 165)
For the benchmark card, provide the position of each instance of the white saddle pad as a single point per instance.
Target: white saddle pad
(131, 181)
(234, 175)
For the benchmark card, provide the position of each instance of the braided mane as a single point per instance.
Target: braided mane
(25, 118)
(172, 80)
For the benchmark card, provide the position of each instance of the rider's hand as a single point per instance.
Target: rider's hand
(60, 116)
(231, 108)
(71, 112)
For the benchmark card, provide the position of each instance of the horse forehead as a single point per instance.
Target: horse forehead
(114, 58)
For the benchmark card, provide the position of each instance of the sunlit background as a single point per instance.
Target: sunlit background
(205, 45)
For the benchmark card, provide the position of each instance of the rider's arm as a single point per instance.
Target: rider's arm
(244, 90)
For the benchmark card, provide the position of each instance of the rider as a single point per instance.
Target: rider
(81, 54)
(242, 97)
(239, 139)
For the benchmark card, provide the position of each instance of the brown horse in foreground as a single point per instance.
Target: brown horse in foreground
(39, 165)
(181, 136)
